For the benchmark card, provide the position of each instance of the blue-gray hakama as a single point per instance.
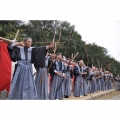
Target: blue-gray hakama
(102, 81)
(85, 86)
(78, 85)
(67, 83)
(57, 83)
(41, 82)
(55, 92)
(23, 85)
(93, 82)
(106, 82)
(98, 85)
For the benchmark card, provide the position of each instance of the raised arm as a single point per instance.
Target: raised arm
(11, 46)
(50, 46)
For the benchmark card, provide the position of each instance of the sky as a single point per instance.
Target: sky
(104, 33)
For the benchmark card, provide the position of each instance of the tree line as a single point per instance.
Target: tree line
(42, 33)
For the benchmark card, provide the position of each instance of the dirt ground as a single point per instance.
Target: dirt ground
(109, 95)
(104, 96)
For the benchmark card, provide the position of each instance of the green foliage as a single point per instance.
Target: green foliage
(8, 28)
(42, 32)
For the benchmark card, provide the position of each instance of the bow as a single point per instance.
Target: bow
(58, 39)
(93, 64)
(86, 53)
(10, 41)
(87, 65)
(16, 34)
(55, 24)
(98, 64)
(61, 82)
(75, 56)
(54, 53)
(48, 55)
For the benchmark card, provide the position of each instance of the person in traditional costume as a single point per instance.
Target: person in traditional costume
(106, 80)
(93, 80)
(117, 78)
(88, 75)
(73, 65)
(67, 80)
(78, 85)
(51, 61)
(110, 84)
(57, 84)
(85, 80)
(102, 80)
(98, 79)
(23, 85)
(42, 79)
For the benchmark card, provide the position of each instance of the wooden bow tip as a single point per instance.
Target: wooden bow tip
(16, 34)
(6, 40)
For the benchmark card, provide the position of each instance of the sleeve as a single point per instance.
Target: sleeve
(11, 46)
(13, 50)
(38, 56)
(54, 67)
(50, 65)
(75, 71)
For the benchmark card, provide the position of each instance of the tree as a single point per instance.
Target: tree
(8, 29)
(42, 32)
